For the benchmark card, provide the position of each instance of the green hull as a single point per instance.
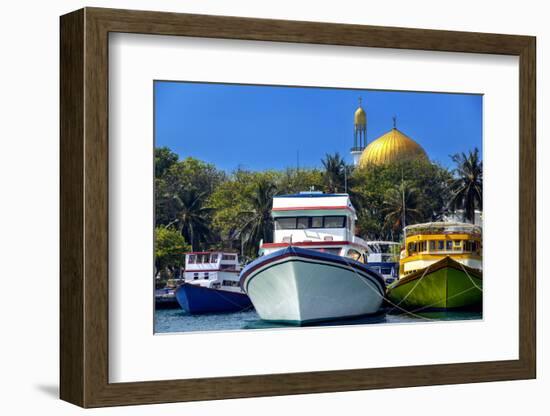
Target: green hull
(445, 285)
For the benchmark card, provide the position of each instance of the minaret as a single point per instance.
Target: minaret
(359, 134)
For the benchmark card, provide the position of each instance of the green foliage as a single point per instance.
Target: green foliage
(334, 175)
(169, 248)
(164, 159)
(400, 207)
(245, 197)
(210, 209)
(467, 184)
(258, 224)
(292, 181)
(234, 199)
(181, 196)
(375, 192)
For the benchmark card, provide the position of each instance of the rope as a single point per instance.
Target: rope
(416, 284)
(469, 277)
(396, 306)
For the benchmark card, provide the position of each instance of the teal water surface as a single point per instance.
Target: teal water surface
(177, 320)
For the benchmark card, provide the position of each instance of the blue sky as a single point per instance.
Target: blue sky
(267, 127)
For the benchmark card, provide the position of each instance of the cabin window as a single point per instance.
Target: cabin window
(316, 222)
(440, 244)
(228, 257)
(288, 223)
(230, 283)
(386, 270)
(449, 245)
(355, 255)
(192, 259)
(213, 258)
(195, 276)
(456, 245)
(335, 222)
(432, 245)
(302, 223)
(206, 276)
(227, 267)
(412, 247)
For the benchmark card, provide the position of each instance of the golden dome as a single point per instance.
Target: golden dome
(360, 116)
(394, 146)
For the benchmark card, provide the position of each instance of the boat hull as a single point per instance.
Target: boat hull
(444, 285)
(196, 299)
(300, 286)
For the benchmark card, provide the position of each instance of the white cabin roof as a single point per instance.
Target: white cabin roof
(312, 201)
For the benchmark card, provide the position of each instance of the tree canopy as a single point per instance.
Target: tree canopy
(169, 247)
(467, 185)
(377, 190)
(211, 209)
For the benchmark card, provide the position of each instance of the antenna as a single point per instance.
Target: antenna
(345, 179)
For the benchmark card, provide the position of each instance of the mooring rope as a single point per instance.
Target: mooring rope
(415, 285)
(469, 277)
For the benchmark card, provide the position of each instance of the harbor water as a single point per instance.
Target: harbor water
(177, 320)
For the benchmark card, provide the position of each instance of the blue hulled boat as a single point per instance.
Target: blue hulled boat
(196, 299)
(211, 284)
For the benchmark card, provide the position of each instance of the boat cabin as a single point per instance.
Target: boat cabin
(214, 269)
(318, 221)
(429, 242)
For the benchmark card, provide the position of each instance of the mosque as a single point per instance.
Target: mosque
(393, 146)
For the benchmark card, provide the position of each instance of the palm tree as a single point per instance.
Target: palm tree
(335, 173)
(258, 223)
(467, 186)
(192, 217)
(400, 207)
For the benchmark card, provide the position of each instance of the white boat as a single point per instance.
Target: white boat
(315, 269)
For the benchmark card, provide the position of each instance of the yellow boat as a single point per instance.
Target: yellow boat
(440, 267)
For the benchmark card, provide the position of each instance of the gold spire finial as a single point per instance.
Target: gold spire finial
(360, 115)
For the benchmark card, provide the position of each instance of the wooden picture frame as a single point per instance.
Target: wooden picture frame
(84, 207)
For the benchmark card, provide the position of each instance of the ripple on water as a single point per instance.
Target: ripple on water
(176, 320)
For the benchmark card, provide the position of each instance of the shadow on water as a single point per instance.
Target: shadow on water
(436, 315)
(176, 320)
(377, 318)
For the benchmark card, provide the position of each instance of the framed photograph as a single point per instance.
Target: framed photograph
(255, 207)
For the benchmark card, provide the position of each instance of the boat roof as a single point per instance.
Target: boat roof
(443, 227)
(309, 194)
(211, 252)
(313, 201)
